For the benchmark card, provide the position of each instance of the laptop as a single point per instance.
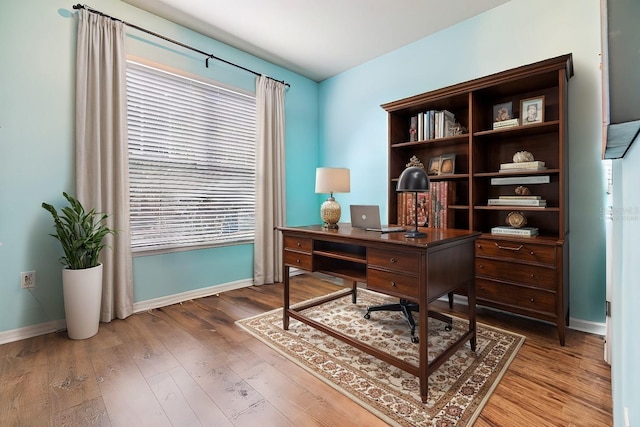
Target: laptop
(368, 217)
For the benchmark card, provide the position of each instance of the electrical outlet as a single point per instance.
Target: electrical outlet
(28, 279)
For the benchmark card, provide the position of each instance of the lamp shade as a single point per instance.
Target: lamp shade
(413, 178)
(333, 180)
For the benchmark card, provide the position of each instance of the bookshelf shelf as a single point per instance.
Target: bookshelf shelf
(479, 154)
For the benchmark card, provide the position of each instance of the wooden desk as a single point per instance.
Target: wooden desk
(419, 270)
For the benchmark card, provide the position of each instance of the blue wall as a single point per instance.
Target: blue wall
(353, 126)
(37, 41)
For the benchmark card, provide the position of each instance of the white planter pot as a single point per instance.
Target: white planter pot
(82, 299)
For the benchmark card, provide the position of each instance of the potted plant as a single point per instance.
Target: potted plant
(81, 235)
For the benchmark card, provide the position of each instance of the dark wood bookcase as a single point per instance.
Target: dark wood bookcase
(523, 275)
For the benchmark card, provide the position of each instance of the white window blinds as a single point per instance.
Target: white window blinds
(191, 161)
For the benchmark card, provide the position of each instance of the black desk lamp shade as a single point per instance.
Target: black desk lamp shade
(414, 179)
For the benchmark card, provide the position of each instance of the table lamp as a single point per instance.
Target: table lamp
(332, 180)
(414, 179)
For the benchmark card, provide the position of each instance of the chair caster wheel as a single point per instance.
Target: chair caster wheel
(448, 328)
(367, 316)
(415, 340)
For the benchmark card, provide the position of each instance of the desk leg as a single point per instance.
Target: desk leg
(423, 343)
(285, 303)
(471, 293)
(354, 291)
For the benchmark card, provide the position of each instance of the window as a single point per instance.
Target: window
(191, 161)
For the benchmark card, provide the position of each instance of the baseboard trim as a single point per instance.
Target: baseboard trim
(189, 295)
(32, 331)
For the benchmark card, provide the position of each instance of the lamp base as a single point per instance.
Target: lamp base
(415, 234)
(330, 212)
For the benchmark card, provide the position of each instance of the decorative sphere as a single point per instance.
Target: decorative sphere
(522, 156)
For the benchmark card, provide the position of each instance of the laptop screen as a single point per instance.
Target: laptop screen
(365, 216)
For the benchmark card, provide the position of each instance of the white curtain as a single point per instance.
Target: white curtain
(270, 181)
(102, 168)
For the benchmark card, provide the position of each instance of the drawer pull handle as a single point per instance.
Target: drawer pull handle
(297, 261)
(532, 276)
(531, 253)
(508, 248)
(299, 244)
(393, 260)
(481, 266)
(533, 300)
(393, 284)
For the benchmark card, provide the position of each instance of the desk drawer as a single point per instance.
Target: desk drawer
(297, 259)
(405, 262)
(390, 283)
(539, 277)
(515, 296)
(516, 250)
(298, 243)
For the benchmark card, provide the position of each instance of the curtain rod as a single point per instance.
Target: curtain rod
(208, 55)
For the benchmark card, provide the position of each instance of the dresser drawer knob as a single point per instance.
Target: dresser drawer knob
(533, 275)
(481, 265)
(299, 244)
(393, 284)
(393, 260)
(531, 253)
(297, 261)
(532, 300)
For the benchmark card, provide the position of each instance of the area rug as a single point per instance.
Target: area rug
(458, 389)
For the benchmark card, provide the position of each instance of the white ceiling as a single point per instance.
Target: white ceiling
(314, 38)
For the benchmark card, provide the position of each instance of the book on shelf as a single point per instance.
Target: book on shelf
(512, 231)
(510, 180)
(517, 202)
(523, 165)
(520, 197)
(413, 129)
(505, 124)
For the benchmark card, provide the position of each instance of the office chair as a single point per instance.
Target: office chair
(408, 308)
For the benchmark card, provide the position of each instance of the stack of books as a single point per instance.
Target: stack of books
(530, 201)
(431, 124)
(433, 206)
(522, 167)
(512, 231)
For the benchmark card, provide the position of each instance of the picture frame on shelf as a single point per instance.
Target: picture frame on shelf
(532, 110)
(447, 164)
(434, 166)
(502, 112)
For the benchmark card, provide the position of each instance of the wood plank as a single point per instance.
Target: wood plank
(127, 395)
(184, 402)
(24, 386)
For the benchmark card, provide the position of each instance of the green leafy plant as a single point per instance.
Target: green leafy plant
(80, 233)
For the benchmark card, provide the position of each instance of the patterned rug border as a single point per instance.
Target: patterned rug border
(361, 402)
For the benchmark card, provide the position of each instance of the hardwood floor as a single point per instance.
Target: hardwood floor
(189, 364)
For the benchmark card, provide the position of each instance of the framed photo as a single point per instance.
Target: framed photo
(502, 112)
(447, 164)
(532, 110)
(434, 166)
